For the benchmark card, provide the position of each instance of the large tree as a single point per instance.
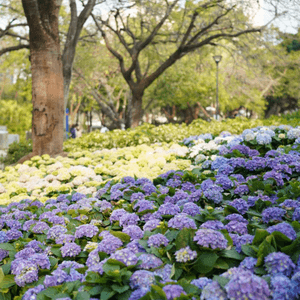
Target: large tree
(154, 24)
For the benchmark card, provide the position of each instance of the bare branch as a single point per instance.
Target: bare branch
(13, 48)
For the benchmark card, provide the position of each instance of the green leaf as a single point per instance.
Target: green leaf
(221, 264)
(107, 293)
(119, 289)
(248, 250)
(260, 235)
(50, 292)
(7, 247)
(232, 253)
(1, 275)
(110, 269)
(171, 235)
(185, 238)
(205, 262)
(82, 296)
(264, 249)
(121, 235)
(221, 280)
(7, 281)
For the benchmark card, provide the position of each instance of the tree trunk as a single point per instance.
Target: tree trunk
(47, 77)
(137, 108)
(47, 100)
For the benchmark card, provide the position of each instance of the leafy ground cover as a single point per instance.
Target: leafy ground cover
(226, 227)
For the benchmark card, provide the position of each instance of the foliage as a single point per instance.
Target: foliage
(149, 134)
(17, 117)
(16, 151)
(175, 235)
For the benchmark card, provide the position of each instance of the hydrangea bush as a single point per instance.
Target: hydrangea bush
(227, 228)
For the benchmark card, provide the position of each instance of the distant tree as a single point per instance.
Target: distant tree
(154, 24)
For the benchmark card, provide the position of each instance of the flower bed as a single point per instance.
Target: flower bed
(226, 229)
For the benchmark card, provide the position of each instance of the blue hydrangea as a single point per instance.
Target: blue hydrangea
(70, 250)
(126, 256)
(185, 254)
(134, 231)
(201, 282)
(236, 226)
(210, 238)
(86, 230)
(284, 228)
(181, 221)
(149, 261)
(240, 205)
(245, 285)
(151, 224)
(158, 240)
(191, 209)
(213, 224)
(278, 262)
(263, 139)
(281, 288)
(213, 291)
(109, 244)
(142, 279)
(173, 291)
(273, 214)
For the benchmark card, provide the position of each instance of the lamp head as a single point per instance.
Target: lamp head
(217, 58)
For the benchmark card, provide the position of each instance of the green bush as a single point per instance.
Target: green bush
(17, 151)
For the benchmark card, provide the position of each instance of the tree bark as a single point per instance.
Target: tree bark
(47, 76)
(137, 107)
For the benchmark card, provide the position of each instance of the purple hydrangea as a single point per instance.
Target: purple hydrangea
(41, 260)
(191, 209)
(173, 291)
(240, 205)
(296, 214)
(248, 263)
(213, 291)
(281, 288)
(181, 221)
(86, 230)
(213, 224)
(142, 205)
(109, 244)
(290, 204)
(151, 224)
(142, 279)
(35, 245)
(126, 256)
(164, 273)
(56, 231)
(25, 253)
(13, 234)
(241, 189)
(210, 238)
(3, 237)
(117, 214)
(236, 226)
(65, 238)
(276, 176)
(157, 240)
(246, 285)
(70, 250)
(236, 217)
(273, 214)
(214, 193)
(134, 231)
(201, 282)
(25, 271)
(242, 240)
(40, 227)
(149, 261)
(169, 209)
(137, 196)
(129, 219)
(3, 254)
(148, 188)
(278, 262)
(185, 254)
(138, 294)
(32, 293)
(284, 228)
(135, 247)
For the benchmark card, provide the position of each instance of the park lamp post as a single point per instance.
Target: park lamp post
(217, 59)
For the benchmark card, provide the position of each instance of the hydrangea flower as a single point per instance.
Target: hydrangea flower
(278, 262)
(86, 230)
(213, 291)
(213, 224)
(56, 231)
(142, 279)
(70, 250)
(129, 219)
(240, 205)
(185, 254)
(158, 240)
(284, 228)
(149, 261)
(109, 244)
(238, 227)
(173, 291)
(151, 224)
(249, 263)
(134, 231)
(201, 282)
(273, 214)
(181, 221)
(281, 288)
(126, 256)
(210, 238)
